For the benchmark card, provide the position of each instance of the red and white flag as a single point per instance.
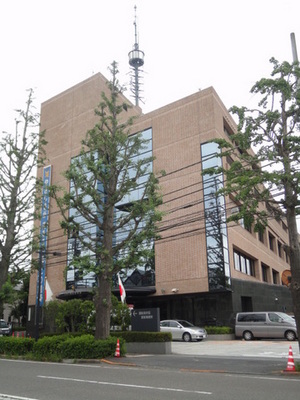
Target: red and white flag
(122, 290)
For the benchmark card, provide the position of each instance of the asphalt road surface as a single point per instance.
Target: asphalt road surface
(203, 370)
(50, 381)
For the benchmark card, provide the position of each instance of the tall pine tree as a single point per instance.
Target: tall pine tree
(103, 180)
(264, 177)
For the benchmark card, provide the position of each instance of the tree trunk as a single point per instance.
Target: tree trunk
(103, 308)
(295, 267)
(3, 279)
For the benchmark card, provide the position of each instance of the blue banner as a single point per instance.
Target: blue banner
(40, 291)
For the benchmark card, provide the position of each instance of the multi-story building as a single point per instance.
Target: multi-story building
(205, 269)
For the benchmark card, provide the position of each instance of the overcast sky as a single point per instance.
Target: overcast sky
(51, 45)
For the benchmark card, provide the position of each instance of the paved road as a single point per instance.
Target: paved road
(229, 370)
(26, 380)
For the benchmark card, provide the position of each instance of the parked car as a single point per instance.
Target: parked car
(183, 330)
(4, 328)
(268, 324)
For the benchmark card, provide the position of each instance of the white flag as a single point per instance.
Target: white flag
(122, 290)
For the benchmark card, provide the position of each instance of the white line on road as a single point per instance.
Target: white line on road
(263, 378)
(123, 385)
(10, 397)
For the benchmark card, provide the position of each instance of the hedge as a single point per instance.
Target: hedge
(56, 348)
(134, 336)
(218, 330)
(15, 346)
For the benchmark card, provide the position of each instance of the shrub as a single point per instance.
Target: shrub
(47, 347)
(88, 348)
(68, 316)
(133, 336)
(120, 315)
(15, 346)
(55, 348)
(218, 330)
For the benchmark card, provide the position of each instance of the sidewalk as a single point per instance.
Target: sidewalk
(258, 357)
(238, 348)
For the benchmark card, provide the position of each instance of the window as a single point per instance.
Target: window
(229, 160)
(265, 272)
(271, 242)
(273, 317)
(215, 220)
(261, 236)
(248, 227)
(275, 276)
(286, 256)
(139, 275)
(243, 263)
(280, 252)
(252, 317)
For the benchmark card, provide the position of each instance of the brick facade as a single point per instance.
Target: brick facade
(180, 256)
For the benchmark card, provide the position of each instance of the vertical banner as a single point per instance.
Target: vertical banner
(40, 288)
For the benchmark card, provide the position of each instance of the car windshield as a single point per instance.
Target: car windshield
(286, 317)
(185, 324)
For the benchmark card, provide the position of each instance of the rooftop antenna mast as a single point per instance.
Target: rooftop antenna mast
(294, 47)
(136, 60)
(295, 55)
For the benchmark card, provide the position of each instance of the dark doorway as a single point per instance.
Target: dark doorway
(246, 303)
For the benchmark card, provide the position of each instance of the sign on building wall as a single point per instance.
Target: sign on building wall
(40, 287)
(146, 320)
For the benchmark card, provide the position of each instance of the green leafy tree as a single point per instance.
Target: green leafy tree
(264, 175)
(107, 170)
(14, 293)
(69, 316)
(120, 316)
(20, 153)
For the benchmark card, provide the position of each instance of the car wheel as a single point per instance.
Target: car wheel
(290, 336)
(186, 337)
(247, 335)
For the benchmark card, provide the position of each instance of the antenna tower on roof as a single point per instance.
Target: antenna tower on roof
(136, 60)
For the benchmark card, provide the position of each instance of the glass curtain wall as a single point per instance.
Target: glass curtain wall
(140, 275)
(144, 273)
(215, 221)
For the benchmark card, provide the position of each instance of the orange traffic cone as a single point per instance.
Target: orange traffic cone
(117, 352)
(290, 364)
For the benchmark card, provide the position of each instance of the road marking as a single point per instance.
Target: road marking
(10, 397)
(124, 385)
(266, 378)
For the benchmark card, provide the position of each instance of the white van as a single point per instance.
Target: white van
(265, 324)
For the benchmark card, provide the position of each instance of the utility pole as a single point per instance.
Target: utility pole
(42, 253)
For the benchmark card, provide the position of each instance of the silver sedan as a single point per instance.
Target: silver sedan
(183, 330)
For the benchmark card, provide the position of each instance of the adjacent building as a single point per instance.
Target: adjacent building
(205, 270)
